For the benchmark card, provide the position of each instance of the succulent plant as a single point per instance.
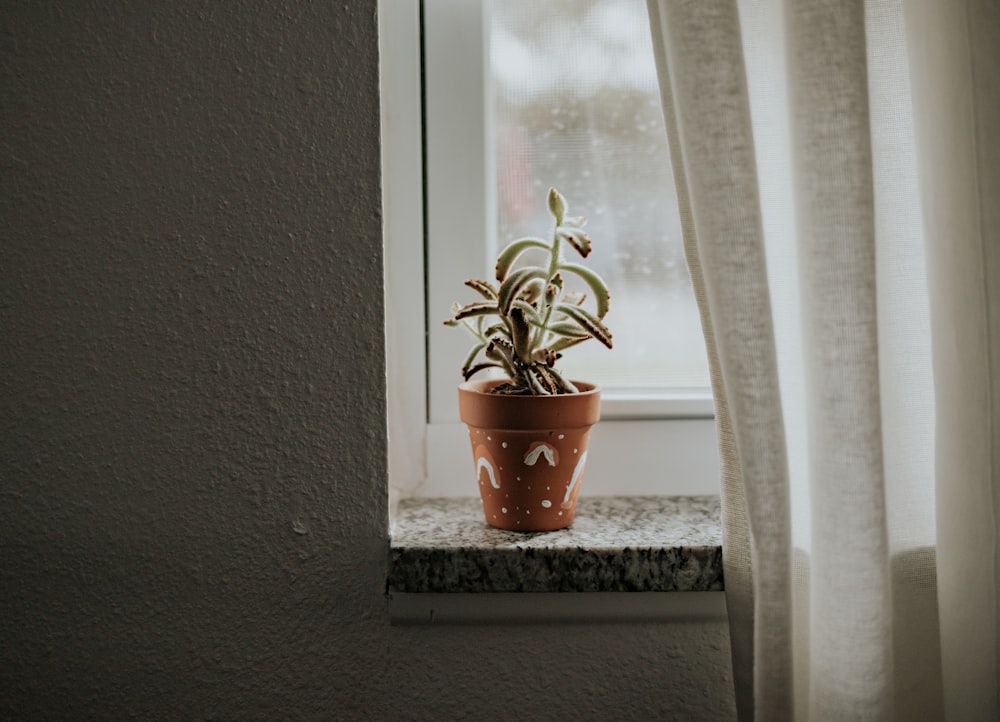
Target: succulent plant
(526, 319)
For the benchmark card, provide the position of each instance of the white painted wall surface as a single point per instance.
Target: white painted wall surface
(192, 402)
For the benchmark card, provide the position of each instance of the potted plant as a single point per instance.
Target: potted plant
(529, 429)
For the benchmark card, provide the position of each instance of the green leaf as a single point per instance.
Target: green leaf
(471, 357)
(530, 311)
(470, 372)
(513, 285)
(485, 289)
(550, 380)
(532, 290)
(545, 379)
(588, 322)
(480, 308)
(545, 356)
(602, 298)
(569, 341)
(537, 387)
(557, 205)
(500, 349)
(520, 334)
(553, 289)
(577, 238)
(502, 352)
(564, 386)
(510, 254)
(570, 329)
(497, 329)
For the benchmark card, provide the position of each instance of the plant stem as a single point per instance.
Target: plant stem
(555, 252)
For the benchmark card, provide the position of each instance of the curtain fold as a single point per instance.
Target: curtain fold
(721, 224)
(838, 172)
(955, 60)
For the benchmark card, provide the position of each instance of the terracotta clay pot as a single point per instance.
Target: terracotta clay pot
(529, 452)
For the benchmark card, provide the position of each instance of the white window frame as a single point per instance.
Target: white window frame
(437, 176)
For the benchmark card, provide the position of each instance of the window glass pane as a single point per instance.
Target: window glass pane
(576, 106)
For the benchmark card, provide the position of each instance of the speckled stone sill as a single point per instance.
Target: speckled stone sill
(616, 544)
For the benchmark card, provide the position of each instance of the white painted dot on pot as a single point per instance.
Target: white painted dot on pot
(504, 509)
(504, 444)
(575, 450)
(561, 436)
(560, 513)
(546, 503)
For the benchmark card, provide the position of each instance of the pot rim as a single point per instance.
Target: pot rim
(480, 409)
(484, 386)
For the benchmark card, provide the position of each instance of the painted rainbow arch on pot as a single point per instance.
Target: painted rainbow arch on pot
(485, 461)
(577, 473)
(539, 449)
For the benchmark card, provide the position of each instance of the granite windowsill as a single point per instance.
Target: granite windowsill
(616, 544)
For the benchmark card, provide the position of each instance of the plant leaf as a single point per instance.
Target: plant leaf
(479, 308)
(545, 379)
(497, 329)
(470, 372)
(564, 386)
(551, 380)
(568, 328)
(514, 283)
(500, 349)
(553, 289)
(557, 205)
(530, 311)
(588, 322)
(576, 237)
(545, 356)
(537, 387)
(532, 290)
(568, 341)
(602, 298)
(502, 352)
(520, 332)
(471, 357)
(510, 254)
(486, 289)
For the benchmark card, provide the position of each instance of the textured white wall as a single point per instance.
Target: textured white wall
(192, 424)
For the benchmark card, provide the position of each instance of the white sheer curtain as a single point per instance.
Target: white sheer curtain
(838, 172)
